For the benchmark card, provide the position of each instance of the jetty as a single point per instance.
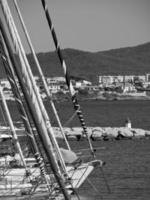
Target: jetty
(105, 133)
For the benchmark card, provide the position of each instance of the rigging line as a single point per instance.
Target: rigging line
(90, 182)
(76, 193)
(105, 179)
(70, 119)
(49, 95)
(68, 80)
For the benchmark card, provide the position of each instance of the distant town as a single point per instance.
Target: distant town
(107, 87)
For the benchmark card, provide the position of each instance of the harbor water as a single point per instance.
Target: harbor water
(97, 113)
(127, 166)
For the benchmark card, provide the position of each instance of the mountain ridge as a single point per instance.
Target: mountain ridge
(89, 65)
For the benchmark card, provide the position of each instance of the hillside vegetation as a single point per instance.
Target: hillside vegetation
(123, 61)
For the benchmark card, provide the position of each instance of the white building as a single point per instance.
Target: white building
(54, 88)
(142, 78)
(118, 79)
(83, 83)
(51, 80)
(128, 88)
(109, 80)
(55, 83)
(106, 80)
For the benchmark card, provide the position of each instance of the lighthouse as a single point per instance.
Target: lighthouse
(128, 123)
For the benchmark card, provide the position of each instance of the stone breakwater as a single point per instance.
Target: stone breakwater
(104, 133)
(95, 133)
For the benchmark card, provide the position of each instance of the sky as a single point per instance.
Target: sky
(89, 25)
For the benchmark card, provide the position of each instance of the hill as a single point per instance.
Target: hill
(88, 65)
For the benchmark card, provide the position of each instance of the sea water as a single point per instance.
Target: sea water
(127, 166)
(97, 113)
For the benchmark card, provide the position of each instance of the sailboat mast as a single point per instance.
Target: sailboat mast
(22, 56)
(11, 77)
(40, 72)
(35, 108)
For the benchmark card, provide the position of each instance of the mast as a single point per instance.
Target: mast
(34, 105)
(40, 72)
(26, 69)
(11, 77)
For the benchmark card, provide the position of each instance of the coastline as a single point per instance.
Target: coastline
(106, 96)
(114, 97)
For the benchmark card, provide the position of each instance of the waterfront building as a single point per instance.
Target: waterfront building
(53, 80)
(83, 83)
(118, 79)
(55, 84)
(128, 87)
(129, 78)
(109, 80)
(105, 80)
(54, 88)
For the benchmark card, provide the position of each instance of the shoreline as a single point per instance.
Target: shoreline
(103, 97)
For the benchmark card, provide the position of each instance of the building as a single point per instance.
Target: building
(54, 88)
(106, 80)
(118, 79)
(53, 80)
(55, 84)
(83, 83)
(109, 80)
(128, 87)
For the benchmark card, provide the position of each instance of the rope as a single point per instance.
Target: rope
(105, 180)
(68, 80)
(70, 119)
